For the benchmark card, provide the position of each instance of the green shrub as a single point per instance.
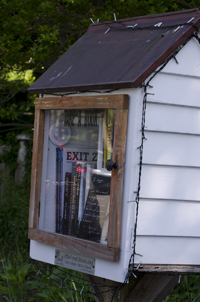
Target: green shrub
(14, 204)
(18, 275)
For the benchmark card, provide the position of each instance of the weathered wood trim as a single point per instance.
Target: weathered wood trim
(171, 268)
(36, 168)
(152, 288)
(144, 288)
(75, 244)
(119, 101)
(114, 228)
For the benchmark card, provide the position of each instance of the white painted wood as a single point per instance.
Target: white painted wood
(169, 209)
(175, 89)
(170, 182)
(50, 190)
(172, 119)
(43, 177)
(133, 141)
(106, 269)
(42, 252)
(170, 195)
(168, 250)
(169, 218)
(171, 149)
(189, 60)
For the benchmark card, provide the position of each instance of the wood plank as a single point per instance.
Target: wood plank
(36, 168)
(167, 118)
(188, 59)
(144, 288)
(170, 182)
(119, 101)
(173, 269)
(170, 250)
(75, 244)
(152, 288)
(114, 229)
(178, 90)
(169, 218)
(171, 149)
(103, 288)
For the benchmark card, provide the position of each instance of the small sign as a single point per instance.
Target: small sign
(75, 261)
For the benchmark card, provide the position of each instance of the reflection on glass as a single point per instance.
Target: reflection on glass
(80, 143)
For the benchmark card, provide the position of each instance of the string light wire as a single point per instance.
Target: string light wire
(49, 272)
(137, 199)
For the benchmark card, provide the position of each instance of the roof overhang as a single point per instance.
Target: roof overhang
(114, 55)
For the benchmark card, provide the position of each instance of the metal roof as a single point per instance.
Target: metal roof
(120, 57)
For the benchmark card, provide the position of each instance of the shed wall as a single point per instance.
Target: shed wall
(168, 230)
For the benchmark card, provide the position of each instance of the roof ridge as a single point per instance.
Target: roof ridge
(150, 16)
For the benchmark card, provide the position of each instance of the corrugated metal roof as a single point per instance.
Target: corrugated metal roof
(121, 58)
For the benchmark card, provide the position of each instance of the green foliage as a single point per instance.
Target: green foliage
(187, 291)
(13, 284)
(18, 275)
(19, 283)
(34, 34)
(14, 204)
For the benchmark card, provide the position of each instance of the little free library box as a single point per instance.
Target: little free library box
(116, 158)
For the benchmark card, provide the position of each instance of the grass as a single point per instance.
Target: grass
(18, 274)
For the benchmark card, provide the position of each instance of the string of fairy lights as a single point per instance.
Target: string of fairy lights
(137, 199)
(123, 26)
(62, 276)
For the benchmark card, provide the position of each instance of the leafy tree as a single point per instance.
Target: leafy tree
(33, 34)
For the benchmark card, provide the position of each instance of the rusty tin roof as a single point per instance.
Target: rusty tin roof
(121, 58)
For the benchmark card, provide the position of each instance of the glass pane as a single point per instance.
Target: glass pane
(77, 191)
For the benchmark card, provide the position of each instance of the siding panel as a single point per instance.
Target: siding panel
(174, 89)
(170, 182)
(168, 250)
(173, 119)
(171, 149)
(169, 218)
(188, 59)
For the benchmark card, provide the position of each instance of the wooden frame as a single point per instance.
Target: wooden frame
(167, 268)
(120, 103)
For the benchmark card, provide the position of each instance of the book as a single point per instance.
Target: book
(82, 193)
(108, 135)
(61, 191)
(90, 228)
(67, 192)
(76, 201)
(72, 205)
(58, 165)
(109, 126)
(94, 224)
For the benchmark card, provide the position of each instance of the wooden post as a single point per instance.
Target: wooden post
(144, 288)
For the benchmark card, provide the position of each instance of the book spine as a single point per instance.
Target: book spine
(61, 191)
(72, 199)
(57, 187)
(82, 194)
(67, 190)
(104, 139)
(78, 183)
(109, 125)
(112, 131)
